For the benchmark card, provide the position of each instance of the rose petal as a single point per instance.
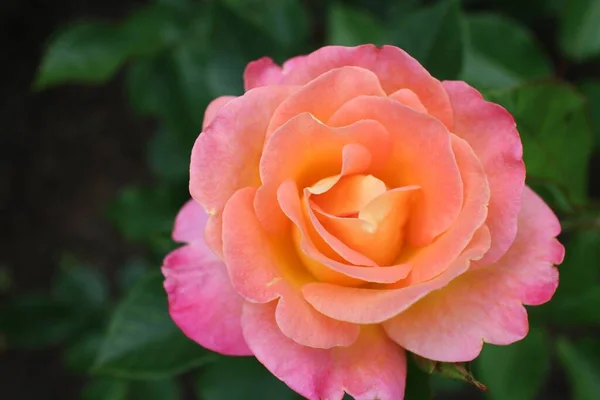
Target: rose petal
(225, 157)
(213, 108)
(355, 160)
(306, 151)
(261, 72)
(373, 306)
(348, 195)
(385, 62)
(324, 95)
(408, 98)
(485, 304)
(263, 270)
(324, 267)
(252, 259)
(372, 368)
(422, 155)
(201, 300)
(377, 232)
(431, 260)
(492, 133)
(432, 267)
(300, 322)
(213, 234)
(189, 223)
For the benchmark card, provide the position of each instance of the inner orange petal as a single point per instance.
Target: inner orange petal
(349, 195)
(377, 230)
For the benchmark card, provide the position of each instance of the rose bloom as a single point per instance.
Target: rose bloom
(348, 208)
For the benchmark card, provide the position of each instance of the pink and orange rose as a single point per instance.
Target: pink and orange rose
(349, 207)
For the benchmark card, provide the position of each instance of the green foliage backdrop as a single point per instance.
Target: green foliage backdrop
(540, 59)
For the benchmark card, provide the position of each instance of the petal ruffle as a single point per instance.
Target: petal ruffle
(305, 150)
(372, 368)
(433, 168)
(202, 301)
(263, 271)
(213, 109)
(324, 95)
(189, 223)
(385, 62)
(491, 132)
(225, 157)
(432, 267)
(486, 303)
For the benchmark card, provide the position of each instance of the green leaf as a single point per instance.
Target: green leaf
(434, 36)
(192, 65)
(581, 267)
(384, 9)
(582, 364)
(441, 386)
(285, 21)
(350, 27)
(182, 77)
(252, 381)
(417, 382)
(83, 289)
(142, 341)
(591, 89)
(141, 87)
(580, 30)
(35, 321)
(501, 53)
(162, 389)
(85, 52)
(80, 355)
(152, 28)
(450, 370)
(577, 298)
(555, 131)
(128, 275)
(105, 389)
(169, 156)
(145, 215)
(515, 372)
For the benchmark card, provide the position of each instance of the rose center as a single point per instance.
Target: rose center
(363, 214)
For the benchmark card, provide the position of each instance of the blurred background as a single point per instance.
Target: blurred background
(100, 104)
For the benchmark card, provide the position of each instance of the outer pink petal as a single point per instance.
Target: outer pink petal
(225, 158)
(213, 108)
(422, 156)
(201, 300)
(372, 368)
(190, 223)
(485, 304)
(263, 271)
(261, 72)
(492, 133)
(393, 66)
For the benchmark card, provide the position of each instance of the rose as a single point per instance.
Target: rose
(349, 207)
